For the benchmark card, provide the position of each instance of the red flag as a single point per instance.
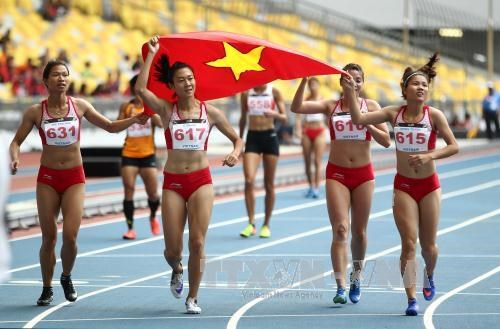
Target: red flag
(227, 63)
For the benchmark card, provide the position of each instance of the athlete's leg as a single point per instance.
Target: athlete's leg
(270, 163)
(250, 165)
(48, 204)
(338, 202)
(199, 206)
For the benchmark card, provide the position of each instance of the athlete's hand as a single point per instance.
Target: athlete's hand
(418, 160)
(270, 113)
(13, 166)
(154, 45)
(230, 160)
(347, 82)
(141, 118)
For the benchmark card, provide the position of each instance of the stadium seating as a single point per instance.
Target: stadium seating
(89, 33)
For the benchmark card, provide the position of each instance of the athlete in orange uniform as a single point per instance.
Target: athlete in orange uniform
(417, 193)
(139, 158)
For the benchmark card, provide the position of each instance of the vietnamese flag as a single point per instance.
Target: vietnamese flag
(227, 63)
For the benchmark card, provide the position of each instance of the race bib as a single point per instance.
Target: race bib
(190, 134)
(345, 129)
(61, 131)
(412, 137)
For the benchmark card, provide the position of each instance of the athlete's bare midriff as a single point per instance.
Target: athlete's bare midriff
(183, 161)
(350, 154)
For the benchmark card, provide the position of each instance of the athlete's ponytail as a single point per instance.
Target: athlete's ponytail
(165, 73)
(428, 71)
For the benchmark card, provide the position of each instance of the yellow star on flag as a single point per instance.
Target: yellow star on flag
(239, 62)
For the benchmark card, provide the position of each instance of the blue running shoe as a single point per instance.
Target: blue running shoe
(315, 194)
(309, 193)
(429, 289)
(340, 297)
(412, 308)
(355, 287)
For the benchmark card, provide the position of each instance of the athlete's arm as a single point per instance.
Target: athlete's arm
(99, 120)
(221, 122)
(157, 104)
(380, 132)
(27, 123)
(244, 111)
(301, 106)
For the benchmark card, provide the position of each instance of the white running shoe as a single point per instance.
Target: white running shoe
(192, 306)
(176, 284)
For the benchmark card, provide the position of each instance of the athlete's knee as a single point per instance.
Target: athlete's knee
(69, 239)
(196, 245)
(269, 186)
(249, 182)
(49, 241)
(429, 248)
(129, 188)
(359, 234)
(172, 255)
(408, 249)
(340, 232)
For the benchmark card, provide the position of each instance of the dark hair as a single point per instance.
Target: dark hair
(428, 71)
(355, 67)
(165, 73)
(50, 65)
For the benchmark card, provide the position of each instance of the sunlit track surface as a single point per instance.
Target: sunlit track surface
(282, 282)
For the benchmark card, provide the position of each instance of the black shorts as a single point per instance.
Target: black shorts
(265, 142)
(147, 162)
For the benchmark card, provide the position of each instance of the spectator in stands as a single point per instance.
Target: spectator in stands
(490, 111)
(63, 56)
(349, 178)
(60, 183)
(310, 129)
(417, 192)
(188, 194)
(138, 158)
(263, 105)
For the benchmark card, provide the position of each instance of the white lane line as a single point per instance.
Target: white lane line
(51, 310)
(279, 211)
(444, 175)
(211, 226)
(120, 218)
(41, 316)
(429, 312)
(233, 322)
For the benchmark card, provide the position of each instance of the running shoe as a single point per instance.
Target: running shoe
(315, 194)
(130, 235)
(412, 308)
(176, 284)
(355, 287)
(309, 193)
(69, 289)
(429, 289)
(155, 226)
(340, 297)
(265, 232)
(248, 231)
(46, 297)
(192, 306)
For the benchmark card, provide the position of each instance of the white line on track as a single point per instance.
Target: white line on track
(233, 322)
(51, 310)
(429, 312)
